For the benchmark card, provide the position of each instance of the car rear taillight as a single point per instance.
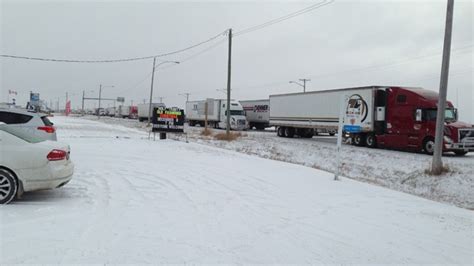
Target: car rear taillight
(57, 155)
(47, 129)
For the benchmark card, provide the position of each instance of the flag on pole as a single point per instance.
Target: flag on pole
(68, 108)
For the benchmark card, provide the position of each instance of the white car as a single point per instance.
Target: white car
(29, 163)
(35, 123)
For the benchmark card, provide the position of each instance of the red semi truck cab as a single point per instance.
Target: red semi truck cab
(405, 118)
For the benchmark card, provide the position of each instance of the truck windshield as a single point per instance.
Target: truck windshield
(449, 114)
(235, 112)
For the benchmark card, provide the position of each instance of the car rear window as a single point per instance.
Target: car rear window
(21, 133)
(13, 118)
(46, 121)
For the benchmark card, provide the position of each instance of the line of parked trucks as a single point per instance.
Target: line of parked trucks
(401, 118)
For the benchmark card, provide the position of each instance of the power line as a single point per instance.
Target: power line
(197, 54)
(181, 61)
(114, 60)
(381, 66)
(244, 31)
(464, 71)
(283, 18)
(372, 68)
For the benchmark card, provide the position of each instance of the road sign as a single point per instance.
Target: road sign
(168, 120)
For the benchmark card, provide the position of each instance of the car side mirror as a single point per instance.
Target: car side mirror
(418, 115)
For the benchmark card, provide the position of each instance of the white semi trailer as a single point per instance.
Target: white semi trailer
(257, 113)
(144, 110)
(216, 114)
(307, 114)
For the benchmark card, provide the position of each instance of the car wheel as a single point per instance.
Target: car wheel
(428, 146)
(371, 141)
(8, 186)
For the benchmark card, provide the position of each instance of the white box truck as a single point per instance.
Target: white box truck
(124, 111)
(144, 109)
(257, 113)
(216, 114)
(110, 111)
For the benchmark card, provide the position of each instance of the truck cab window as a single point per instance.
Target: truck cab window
(235, 112)
(431, 114)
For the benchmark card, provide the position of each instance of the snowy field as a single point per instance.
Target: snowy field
(138, 201)
(397, 170)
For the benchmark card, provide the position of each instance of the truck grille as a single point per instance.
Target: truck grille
(241, 122)
(466, 139)
(466, 135)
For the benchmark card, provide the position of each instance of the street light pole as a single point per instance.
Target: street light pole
(151, 87)
(302, 85)
(100, 97)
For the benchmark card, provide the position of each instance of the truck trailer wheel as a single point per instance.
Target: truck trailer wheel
(289, 132)
(306, 133)
(359, 140)
(428, 145)
(280, 132)
(371, 141)
(8, 186)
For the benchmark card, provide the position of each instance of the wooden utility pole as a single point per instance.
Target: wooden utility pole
(304, 83)
(228, 84)
(151, 91)
(100, 97)
(206, 105)
(83, 96)
(186, 94)
(437, 164)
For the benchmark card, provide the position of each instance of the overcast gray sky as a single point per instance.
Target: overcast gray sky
(344, 44)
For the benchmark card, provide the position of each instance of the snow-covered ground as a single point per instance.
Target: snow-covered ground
(133, 200)
(402, 171)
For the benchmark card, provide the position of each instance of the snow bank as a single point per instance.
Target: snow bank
(401, 171)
